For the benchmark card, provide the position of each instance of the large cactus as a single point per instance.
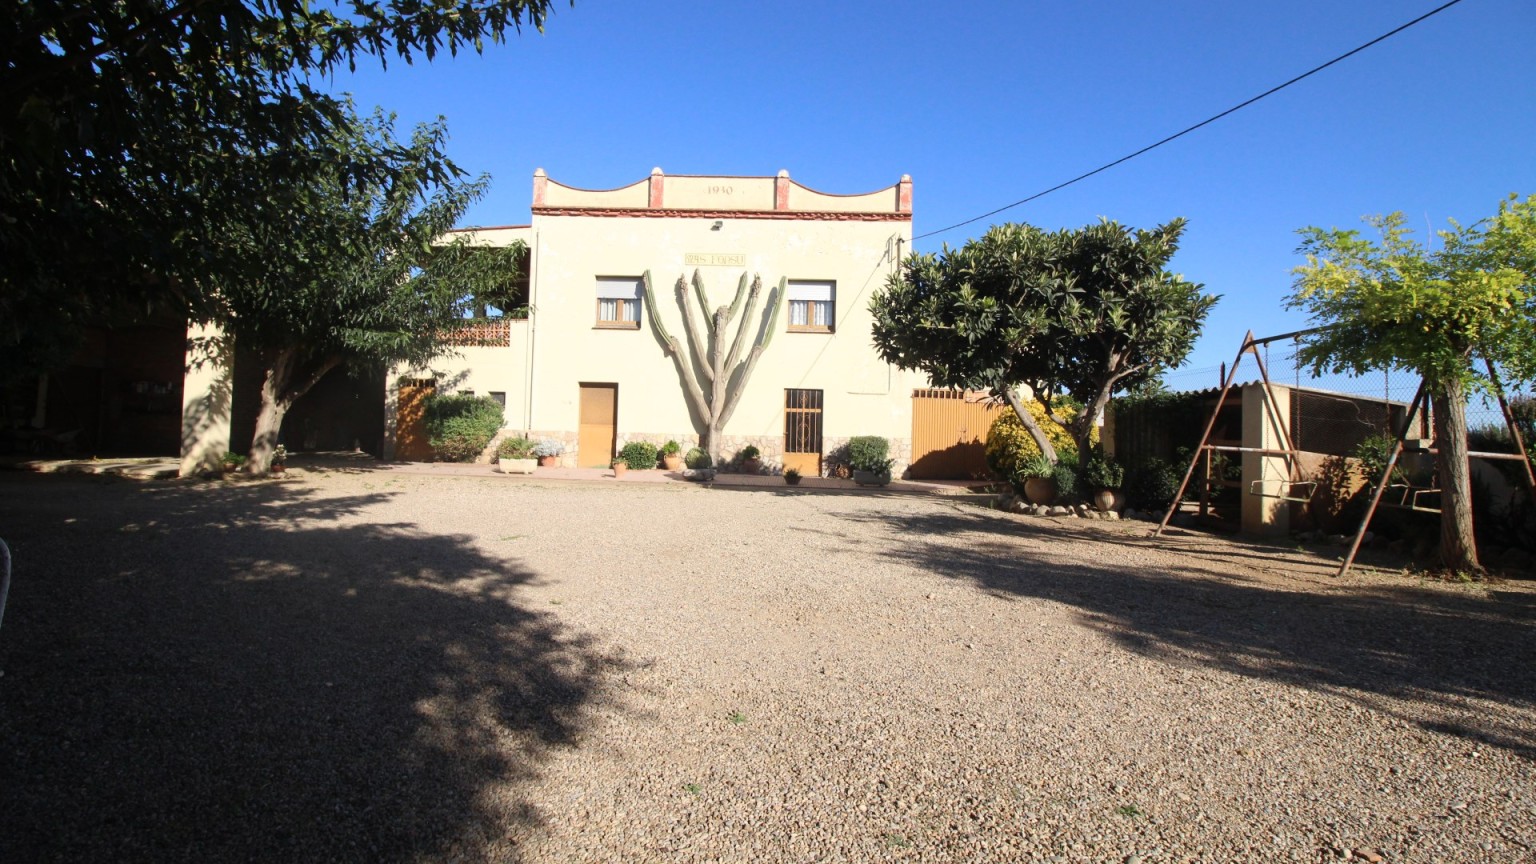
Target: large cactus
(716, 369)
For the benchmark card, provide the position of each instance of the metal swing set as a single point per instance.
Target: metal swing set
(1294, 488)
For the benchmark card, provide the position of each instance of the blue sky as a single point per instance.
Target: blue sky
(993, 102)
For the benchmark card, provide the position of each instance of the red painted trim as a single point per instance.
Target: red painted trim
(540, 183)
(658, 182)
(724, 214)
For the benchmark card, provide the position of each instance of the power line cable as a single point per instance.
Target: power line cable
(1209, 120)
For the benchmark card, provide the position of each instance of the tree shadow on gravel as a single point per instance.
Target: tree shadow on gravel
(254, 672)
(1403, 642)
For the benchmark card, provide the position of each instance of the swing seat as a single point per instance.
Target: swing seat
(1402, 496)
(1298, 488)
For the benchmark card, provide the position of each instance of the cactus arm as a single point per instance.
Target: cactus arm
(775, 300)
(775, 303)
(741, 330)
(649, 294)
(695, 338)
(741, 294)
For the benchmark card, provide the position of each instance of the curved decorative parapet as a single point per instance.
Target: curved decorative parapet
(721, 196)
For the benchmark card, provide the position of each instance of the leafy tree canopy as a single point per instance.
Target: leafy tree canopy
(1394, 303)
(354, 271)
(118, 116)
(1077, 313)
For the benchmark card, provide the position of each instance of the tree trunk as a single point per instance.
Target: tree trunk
(711, 442)
(1030, 426)
(278, 395)
(269, 421)
(1458, 546)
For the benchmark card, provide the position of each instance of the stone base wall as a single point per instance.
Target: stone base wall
(770, 447)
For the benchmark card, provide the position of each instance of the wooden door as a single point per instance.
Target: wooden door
(802, 431)
(949, 434)
(599, 425)
(411, 441)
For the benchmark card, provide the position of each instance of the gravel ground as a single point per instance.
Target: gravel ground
(371, 666)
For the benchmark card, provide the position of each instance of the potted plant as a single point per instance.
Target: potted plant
(232, 461)
(867, 456)
(548, 451)
(672, 455)
(619, 467)
(1105, 476)
(515, 456)
(638, 455)
(792, 477)
(749, 459)
(279, 459)
(1036, 474)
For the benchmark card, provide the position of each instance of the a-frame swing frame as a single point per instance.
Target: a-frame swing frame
(1250, 346)
(1420, 401)
(1400, 446)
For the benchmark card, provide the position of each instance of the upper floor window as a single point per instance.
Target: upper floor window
(618, 302)
(811, 305)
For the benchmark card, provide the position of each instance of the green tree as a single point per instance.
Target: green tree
(1393, 303)
(116, 116)
(1074, 315)
(352, 271)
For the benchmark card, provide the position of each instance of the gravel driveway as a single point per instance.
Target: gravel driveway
(373, 666)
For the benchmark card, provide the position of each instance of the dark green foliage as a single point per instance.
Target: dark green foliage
(869, 453)
(697, 458)
(747, 452)
(1034, 466)
(1102, 472)
(460, 426)
(1151, 424)
(140, 135)
(515, 448)
(1373, 454)
(1153, 484)
(639, 455)
(1064, 473)
(671, 448)
(1082, 313)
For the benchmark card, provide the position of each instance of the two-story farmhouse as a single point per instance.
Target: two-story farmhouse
(588, 365)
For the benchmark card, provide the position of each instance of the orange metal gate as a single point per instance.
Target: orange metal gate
(949, 434)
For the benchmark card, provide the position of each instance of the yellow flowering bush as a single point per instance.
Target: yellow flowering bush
(1008, 442)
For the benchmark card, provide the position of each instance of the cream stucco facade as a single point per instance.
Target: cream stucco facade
(670, 227)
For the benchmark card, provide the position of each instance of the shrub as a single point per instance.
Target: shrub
(869, 453)
(548, 447)
(1032, 466)
(638, 455)
(747, 452)
(1064, 473)
(671, 448)
(791, 476)
(1008, 441)
(460, 425)
(1102, 472)
(1373, 454)
(697, 458)
(1153, 484)
(515, 448)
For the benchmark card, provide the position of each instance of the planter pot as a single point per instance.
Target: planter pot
(549, 461)
(1109, 500)
(871, 478)
(751, 466)
(699, 475)
(1040, 490)
(278, 468)
(673, 462)
(517, 466)
(793, 481)
(619, 468)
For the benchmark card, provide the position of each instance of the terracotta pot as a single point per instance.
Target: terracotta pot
(278, 468)
(672, 461)
(1107, 500)
(619, 468)
(1040, 490)
(549, 461)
